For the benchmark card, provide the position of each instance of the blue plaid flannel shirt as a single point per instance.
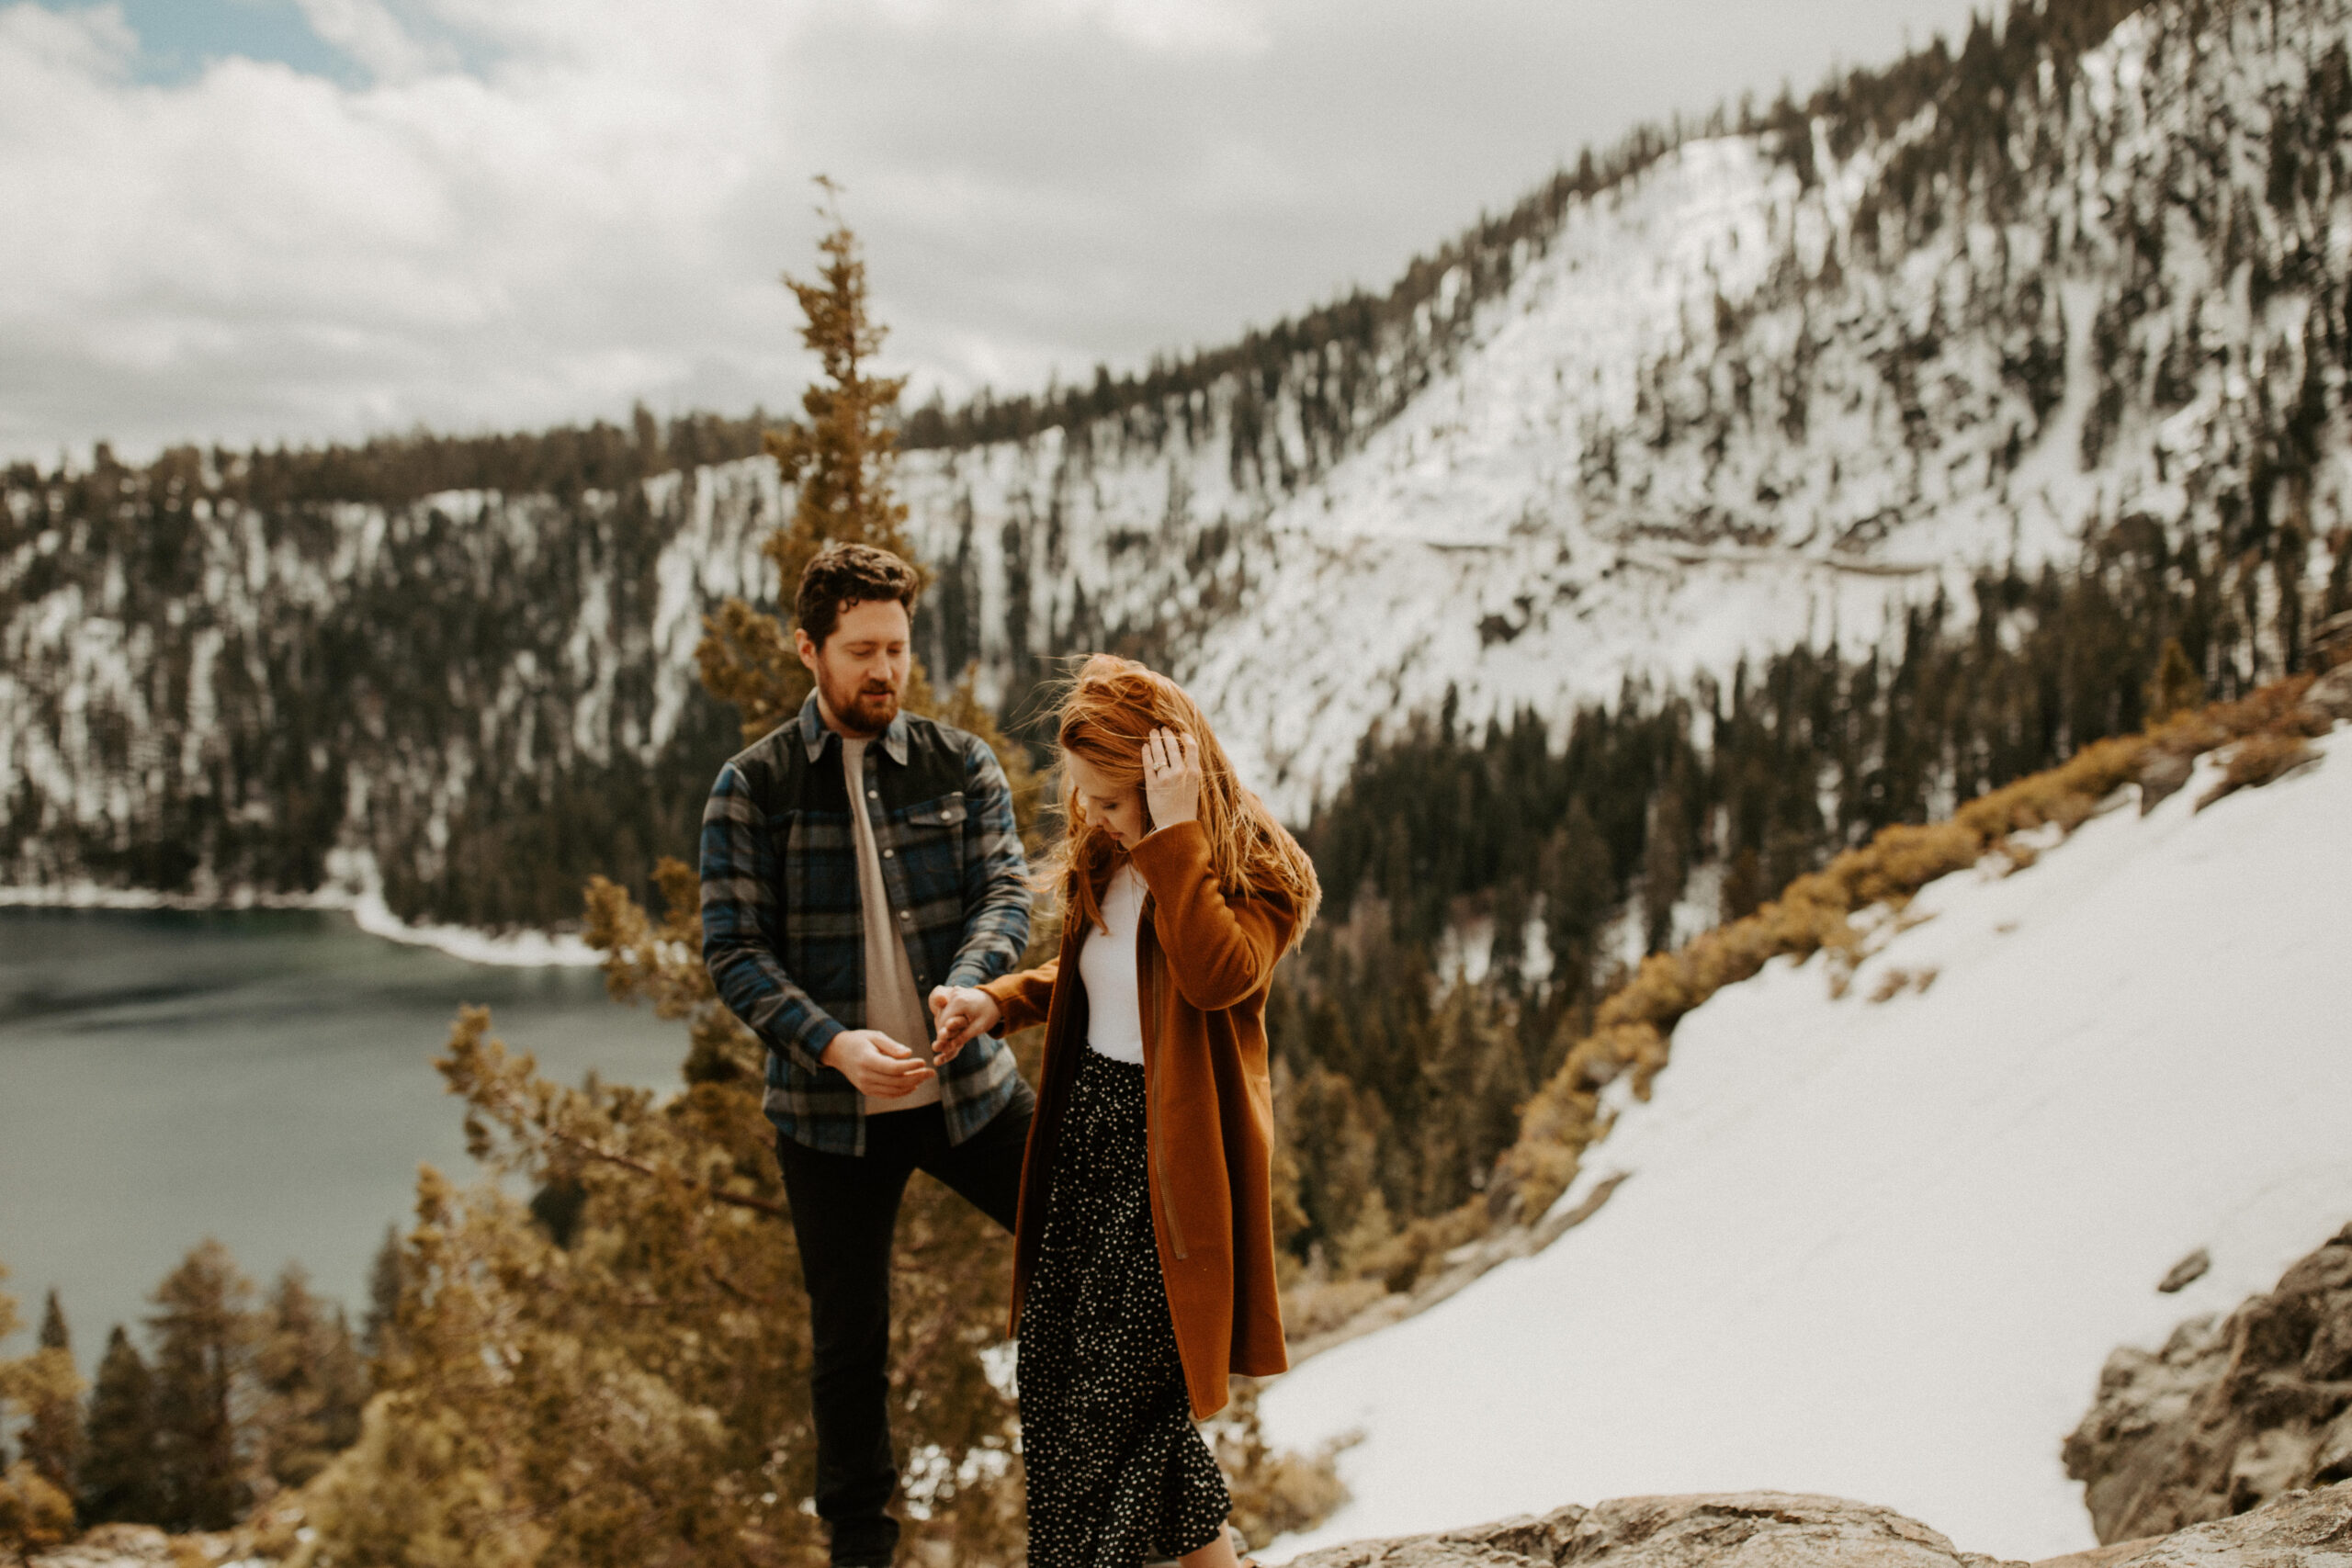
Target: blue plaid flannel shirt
(783, 927)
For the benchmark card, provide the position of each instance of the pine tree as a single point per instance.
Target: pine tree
(121, 1453)
(1326, 1121)
(34, 1510)
(1743, 888)
(1578, 889)
(204, 1329)
(52, 1440)
(2176, 686)
(383, 1297)
(839, 462)
(312, 1384)
(1665, 863)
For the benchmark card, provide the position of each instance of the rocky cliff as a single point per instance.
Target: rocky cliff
(2231, 1412)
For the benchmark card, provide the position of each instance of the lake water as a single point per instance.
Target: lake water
(262, 1077)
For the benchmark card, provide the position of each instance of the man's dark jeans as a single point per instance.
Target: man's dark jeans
(845, 1208)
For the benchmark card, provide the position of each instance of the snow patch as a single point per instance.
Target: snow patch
(355, 889)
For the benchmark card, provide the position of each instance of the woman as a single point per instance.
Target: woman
(1144, 1260)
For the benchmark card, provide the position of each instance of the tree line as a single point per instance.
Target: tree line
(567, 461)
(239, 1393)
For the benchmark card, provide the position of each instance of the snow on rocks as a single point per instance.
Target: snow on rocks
(1878, 1243)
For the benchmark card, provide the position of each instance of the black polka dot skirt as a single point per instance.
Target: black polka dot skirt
(1118, 1474)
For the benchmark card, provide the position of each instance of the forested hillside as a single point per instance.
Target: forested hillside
(1729, 392)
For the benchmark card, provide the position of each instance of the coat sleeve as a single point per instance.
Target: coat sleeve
(1219, 950)
(1024, 996)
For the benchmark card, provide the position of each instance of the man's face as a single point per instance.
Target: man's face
(863, 666)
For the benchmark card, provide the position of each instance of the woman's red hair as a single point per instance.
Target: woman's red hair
(1104, 716)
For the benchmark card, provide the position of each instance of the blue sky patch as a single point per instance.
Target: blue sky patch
(178, 37)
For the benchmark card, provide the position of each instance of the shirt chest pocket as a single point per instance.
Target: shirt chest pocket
(930, 837)
(941, 816)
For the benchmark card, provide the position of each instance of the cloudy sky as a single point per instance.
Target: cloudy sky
(302, 219)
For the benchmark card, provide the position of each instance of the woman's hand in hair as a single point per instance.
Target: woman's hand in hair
(959, 1014)
(1172, 778)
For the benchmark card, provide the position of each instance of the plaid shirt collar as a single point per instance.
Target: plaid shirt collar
(815, 732)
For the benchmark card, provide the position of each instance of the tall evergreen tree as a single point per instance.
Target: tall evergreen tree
(120, 1454)
(2175, 684)
(34, 1511)
(52, 1440)
(384, 1277)
(312, 1384)
(204, 1329)
(839, 460)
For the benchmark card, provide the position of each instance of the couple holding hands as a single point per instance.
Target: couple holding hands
(864, 899)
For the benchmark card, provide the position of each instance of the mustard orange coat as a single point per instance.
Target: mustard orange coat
(1203, 964)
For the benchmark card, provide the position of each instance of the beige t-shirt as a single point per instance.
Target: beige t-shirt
(892, 1003)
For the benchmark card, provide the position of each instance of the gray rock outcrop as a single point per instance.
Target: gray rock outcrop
(1776, 1530)
(1749, 1529)
(2294, 1529)
(2228, 1414)
(113, 1546)
(2332, 692)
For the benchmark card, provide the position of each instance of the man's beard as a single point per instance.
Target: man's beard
(862, 707)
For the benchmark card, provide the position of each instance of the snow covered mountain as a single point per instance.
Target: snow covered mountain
(1760, 389)
(1766, 389)
(1876, 1239)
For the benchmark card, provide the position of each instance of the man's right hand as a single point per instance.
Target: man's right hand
(877, 1063)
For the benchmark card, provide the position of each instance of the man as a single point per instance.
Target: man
(851, 860)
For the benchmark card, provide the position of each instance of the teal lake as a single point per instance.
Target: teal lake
(262, 1077)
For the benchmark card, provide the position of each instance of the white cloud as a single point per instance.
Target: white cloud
(1186, 27)
(371, 36)
(595, 209)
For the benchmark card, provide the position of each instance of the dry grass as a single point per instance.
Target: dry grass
(2257, 761)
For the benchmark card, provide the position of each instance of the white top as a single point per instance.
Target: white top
(1107, 965)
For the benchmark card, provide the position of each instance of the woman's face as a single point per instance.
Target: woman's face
(1118, 810)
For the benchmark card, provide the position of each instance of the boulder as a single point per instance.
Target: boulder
(1778, 1529)
(2294, 1529)
(2332, 692)
(113, 1546)
(1740, 1530)
(2228, 1414)
(2162, 775)
(2185, 1273)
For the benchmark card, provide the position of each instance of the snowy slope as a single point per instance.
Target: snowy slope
(1881, 1248)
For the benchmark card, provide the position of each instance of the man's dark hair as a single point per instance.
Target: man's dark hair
(842, 575)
